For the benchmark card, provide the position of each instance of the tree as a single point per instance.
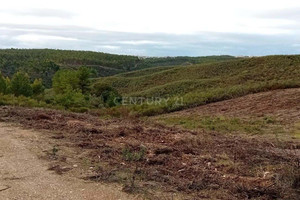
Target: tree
(20, 84)
(8, 85)
(84, 74)
(70, 98)
(3, 85)
(38, 87)
(109, 95)
(64, 80)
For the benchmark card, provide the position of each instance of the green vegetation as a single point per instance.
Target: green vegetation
(108, 95)
(38, 87)
(44, 63)
(3, 86)
(71, 90)
(223, 124)
(134, 156)
(297, 130)
(169, 88)
(181, 60)
(205, 83)
(20, 85)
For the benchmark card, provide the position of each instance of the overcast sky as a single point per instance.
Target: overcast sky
(154, 27)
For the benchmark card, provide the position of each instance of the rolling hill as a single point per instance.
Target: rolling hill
(203, 83)
(43, 63)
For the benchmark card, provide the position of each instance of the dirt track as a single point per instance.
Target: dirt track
(23, 176)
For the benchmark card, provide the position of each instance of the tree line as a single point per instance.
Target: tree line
(71, 89)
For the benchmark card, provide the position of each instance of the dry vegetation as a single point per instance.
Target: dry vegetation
(204, 163)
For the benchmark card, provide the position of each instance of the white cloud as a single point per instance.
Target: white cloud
(110, 47)
(167, 16)
(141, 25)
(140, 42)
(41, 38)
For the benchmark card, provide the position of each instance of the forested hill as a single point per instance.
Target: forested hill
(43, 63)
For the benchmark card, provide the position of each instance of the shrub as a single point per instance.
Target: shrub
(134, 156)
(10, 99)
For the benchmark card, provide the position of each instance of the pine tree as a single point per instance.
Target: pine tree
(37, 87)
(84, 74)
(20, 84)
(3, 85)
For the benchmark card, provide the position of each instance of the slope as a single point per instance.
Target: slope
(203, 83)
(43, 63)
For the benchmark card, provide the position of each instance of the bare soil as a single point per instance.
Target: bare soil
(195, 164)
(23, 175)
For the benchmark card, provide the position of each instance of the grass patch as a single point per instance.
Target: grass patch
(223, 124)
(297, 130)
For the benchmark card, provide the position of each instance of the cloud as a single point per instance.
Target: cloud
(287, 14)
(40, 12)
(141, 42)
(146, 44)
(42, 38)
(111, 47)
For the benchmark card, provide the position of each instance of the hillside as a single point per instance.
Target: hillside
(275, 112)
(203, 83)
(43, 63)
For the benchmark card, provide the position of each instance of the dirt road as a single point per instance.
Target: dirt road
(24, 176)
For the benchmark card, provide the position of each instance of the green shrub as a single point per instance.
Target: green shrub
(10, 99)
(134, 156)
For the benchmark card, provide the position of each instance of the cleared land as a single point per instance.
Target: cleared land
(24, 175)
(193, 162)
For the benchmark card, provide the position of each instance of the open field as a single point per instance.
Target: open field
(173, 161)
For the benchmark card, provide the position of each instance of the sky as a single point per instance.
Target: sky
(154, 27)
